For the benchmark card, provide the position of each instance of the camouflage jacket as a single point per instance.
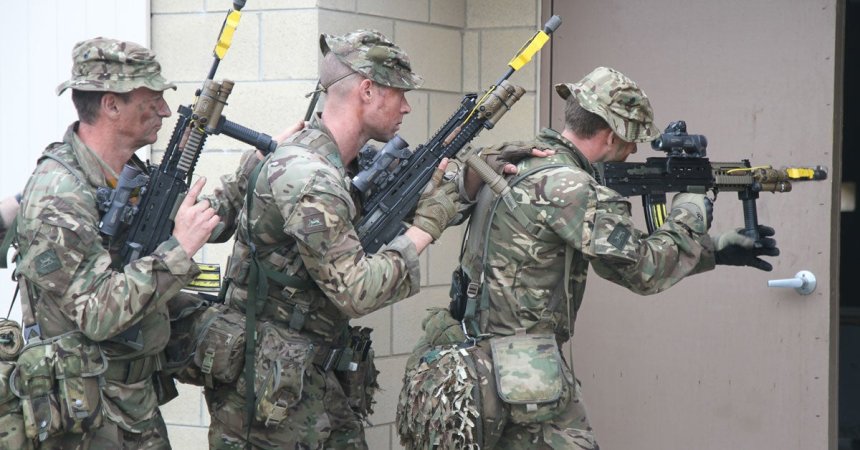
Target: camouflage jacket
(67, 265)
(571, 216)
(302, 223)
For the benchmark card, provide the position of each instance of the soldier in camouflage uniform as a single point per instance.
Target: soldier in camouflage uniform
(70, 271)
(535, 262)
(300, 223)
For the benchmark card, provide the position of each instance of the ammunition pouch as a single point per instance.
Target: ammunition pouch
(219, 351)
(59, 383)
(531, 377)
(280, 361)
(12, 434)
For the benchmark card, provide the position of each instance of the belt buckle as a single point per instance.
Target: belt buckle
(279, 413)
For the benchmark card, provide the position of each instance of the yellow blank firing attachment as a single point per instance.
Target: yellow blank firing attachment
(528, 50)
(226, 36)
(800, 173)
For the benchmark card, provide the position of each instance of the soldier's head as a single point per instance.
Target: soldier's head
(364, 66)
(606, 99)
(109, 75)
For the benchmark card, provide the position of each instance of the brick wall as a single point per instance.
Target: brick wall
(456, 45)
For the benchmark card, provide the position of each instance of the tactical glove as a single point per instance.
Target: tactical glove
(734, 249)
(697, 204)
(497, 157)
(437, 205)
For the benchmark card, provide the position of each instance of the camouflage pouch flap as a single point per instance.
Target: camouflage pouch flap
(6, 393)
(528, 368)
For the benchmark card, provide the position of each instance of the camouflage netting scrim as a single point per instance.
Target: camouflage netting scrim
(438, 405)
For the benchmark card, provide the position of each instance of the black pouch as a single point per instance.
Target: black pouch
(459, 285)
(357, 375)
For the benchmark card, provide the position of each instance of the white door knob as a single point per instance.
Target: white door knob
(803, 282)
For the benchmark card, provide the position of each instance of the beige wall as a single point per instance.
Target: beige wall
(457, 45)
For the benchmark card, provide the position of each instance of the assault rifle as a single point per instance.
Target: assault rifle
(687, 169)
(392, 183)
(163, 189)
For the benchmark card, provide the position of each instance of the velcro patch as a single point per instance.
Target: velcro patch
(47, 262)
(619, 237)
(314, 223)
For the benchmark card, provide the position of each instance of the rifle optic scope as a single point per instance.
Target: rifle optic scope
(676, 142)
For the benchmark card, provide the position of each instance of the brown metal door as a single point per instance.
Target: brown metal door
(720, 360)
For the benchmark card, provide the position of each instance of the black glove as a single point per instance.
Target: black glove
(735, 249)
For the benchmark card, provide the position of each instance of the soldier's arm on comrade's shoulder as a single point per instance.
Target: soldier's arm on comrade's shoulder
(63, 256)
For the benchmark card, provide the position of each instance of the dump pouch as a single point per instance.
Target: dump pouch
(530, 376)
(281, 359)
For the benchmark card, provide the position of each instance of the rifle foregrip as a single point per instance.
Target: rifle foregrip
(260, 141)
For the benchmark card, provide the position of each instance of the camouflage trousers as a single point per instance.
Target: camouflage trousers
(568, 430)
(111, 437)
(321, 420)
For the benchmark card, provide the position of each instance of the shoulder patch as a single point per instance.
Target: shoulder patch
(619, 237)
(47, 262)
(314, 223)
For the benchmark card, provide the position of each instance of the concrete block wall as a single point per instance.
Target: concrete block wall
(456, 45)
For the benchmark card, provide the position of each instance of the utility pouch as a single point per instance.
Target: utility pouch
(59, 381)
(529, 376)
(281, 359)
(219, 355)
(358, 377)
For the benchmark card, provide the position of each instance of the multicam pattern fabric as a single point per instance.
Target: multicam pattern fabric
(572, 217)
(103, 64)
(618, 100)
(68, 263)
(373, 55)
(301, 223)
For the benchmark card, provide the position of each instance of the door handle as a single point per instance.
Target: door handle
(803, 282)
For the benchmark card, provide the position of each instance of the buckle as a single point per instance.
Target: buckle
(279, 413)
(472, 290)
(208, 360)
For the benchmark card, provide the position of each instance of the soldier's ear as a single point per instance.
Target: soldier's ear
(365, 90)
(109, 105)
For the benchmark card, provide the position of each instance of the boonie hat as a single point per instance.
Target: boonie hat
(618, 100)
(372, 55)
(103, 64)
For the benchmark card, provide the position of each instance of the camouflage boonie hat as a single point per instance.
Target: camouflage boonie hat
(618, 100)
(371, 54)
(103, 64)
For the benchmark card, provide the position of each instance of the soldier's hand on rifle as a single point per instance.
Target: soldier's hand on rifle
(438, 203)
(697, 204)
(194, 220)
(735, 249)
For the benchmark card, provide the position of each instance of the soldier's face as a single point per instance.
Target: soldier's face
(386, 112)
(620, 150)
(141, 116)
